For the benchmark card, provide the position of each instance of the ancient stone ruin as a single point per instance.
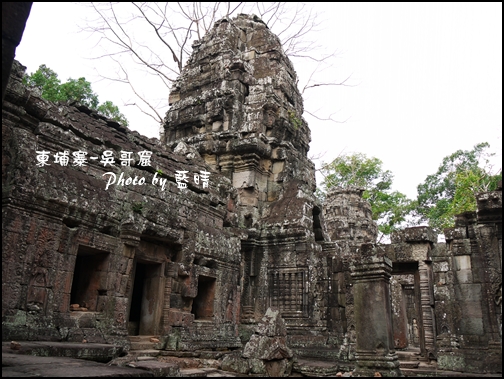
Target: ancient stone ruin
(193, 249)
(266, 353)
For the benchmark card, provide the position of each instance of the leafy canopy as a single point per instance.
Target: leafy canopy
(108, 109)
(51, 88)
(452, 189)
(389, 208)
(448, 192)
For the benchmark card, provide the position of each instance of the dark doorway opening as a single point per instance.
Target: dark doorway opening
(89, 279)
(136, 297)
(144, 310)
(203, 303)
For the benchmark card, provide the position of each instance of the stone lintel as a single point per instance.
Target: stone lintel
(414, 234)
(371, 272)
(454, 233)
(374, 262)
(129, 235)
(462, 220)
(488, 201)
(461, 247)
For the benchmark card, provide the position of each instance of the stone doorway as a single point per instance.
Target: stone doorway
(406, 316)
(145, 299)
(413, 321)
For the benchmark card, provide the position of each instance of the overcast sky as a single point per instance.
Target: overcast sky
(426, 79)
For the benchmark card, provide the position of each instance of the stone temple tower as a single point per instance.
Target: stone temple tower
(237, 104)
(349, 217)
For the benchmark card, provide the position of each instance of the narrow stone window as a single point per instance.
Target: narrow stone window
(317, 226)
(89, 279)
(203, 303)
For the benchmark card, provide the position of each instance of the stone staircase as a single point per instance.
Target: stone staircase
(144, 346)
(413, 364)
(143, 342)
(410, 359)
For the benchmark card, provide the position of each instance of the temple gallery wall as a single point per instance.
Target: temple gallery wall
(200, 266)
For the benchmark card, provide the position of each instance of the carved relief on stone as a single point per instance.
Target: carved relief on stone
(37, 290)
(287, 291)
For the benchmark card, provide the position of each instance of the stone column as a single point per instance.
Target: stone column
(130, 237)
(426, 309)
(373, 317)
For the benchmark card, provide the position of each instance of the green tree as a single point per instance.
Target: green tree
(389, 208)
(452, 189)
(51, 88)
(79, 90)
(108, 109)
(46, 80)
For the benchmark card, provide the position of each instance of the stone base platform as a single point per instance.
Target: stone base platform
(91, 351)
(20, 365)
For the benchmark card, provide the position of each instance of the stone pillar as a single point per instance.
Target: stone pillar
(130, 237)
(426, 308)
(375, 352)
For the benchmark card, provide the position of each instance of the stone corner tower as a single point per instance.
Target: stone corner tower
(349, 217)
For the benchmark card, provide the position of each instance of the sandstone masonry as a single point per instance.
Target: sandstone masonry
(200, 267)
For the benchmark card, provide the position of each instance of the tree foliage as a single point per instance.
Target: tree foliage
(110, 110)
(389, 208)
(452, 189)
(51, 88)
(79, 90)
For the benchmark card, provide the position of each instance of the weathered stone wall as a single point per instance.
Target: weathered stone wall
(469, 289)
(60, 220)
(445, 298)
(206, 259)
(200, 266)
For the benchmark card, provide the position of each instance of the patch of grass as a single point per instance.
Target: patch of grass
(137, 207)
(294, 120)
